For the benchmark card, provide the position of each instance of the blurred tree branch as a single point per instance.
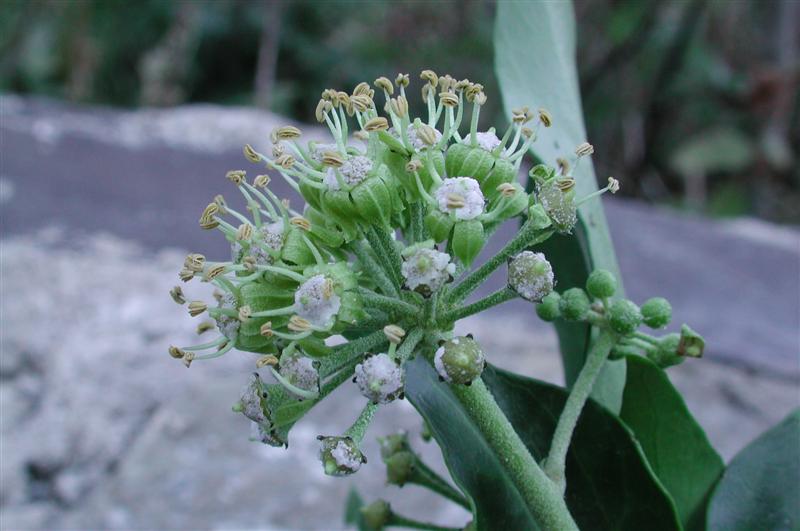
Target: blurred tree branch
(268, 53)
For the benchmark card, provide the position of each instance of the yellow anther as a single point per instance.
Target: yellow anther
(177, 295)
(545, 117)
(250, 154)
(394, 333)
(332, 158)
(301, 222)
(298, 324)
(244, 232)
(261, 181)
(245, 312)
(401, 80)
(197, 307)
(429, 76)
(384, 84)
(265, 360)
(237, 177)
(266, 329)
(379, 123)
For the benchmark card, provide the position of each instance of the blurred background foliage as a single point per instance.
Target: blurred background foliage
(690, 103)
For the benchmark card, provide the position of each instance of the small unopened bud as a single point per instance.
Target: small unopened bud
(298, 324)
(394, 333)
(261, 181)
(584, 149)
(400, 467)
(548, 310)
(429, 76)
(196, 308)
(459, 360)
(448, 99)
(379, 123)
(401, 80)
(384, 84)
(530, 275)
(545, 117)
(176, 353)
(250, 154)
(333, 159)
(340, 456)
(266, 329)
(574, 304)
(177, 295)
(601, 284)
(377, 514)
(624, 317)
(656, 312)
(691, 343)
(237, 177)
(244, 232)
(244, 313)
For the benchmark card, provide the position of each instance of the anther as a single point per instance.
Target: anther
(332, 158)
(176, 353)
(250, 154)
(298, 324)
(261, 181)
(301, 222)
(197, 307)
(401, 80)
(545, 117)
(384, 84)
(455, 201)
(584, 149)
(565, 184)
(186, 274)
(244, 232)
(194, 262)
(399, 106)
(177, 295)
(613, 185)
(266, 360)
(379, 123)
(448, 99)
(506, 189)
(286, 132)
(244, 313)
(205, 326)
(237, 177)
(214, 272)
(266, 329)
(413, 165)
(285, 161)
(429, 76)
(394, 333)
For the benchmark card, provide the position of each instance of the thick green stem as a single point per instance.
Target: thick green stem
(425, 477)
(555, 465)
(387, 304)
(542, 497)
(374, 269)
(350, 351)
(383, 247)
(528, 235)
(409, 343)
(498, 297)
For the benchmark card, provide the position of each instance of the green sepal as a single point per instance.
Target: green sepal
(537, 216)
(468, 240)
(351, 311)
(391, 142)
(503, 171)
(466, 161)
(373, 201)
(295, 250)
(438, 224)
(314, 346)
(541, 173)
(310, 194)
(273, 286)
(337, 204)
(340, 272)
(396, 164)
(325, 235)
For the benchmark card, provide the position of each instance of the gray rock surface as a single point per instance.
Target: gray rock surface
(100, 429)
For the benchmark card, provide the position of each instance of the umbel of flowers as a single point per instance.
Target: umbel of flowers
(397, 208)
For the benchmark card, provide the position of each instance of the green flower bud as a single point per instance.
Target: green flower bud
(601, 284)
(376, 515)
(340, 456)
(392, 444)
(439, 224)
(530, 275)
(624, 316)
(656, 312)
(574, 304)
(459, 360)
(399, 468)
(666, 354)
(559, 204)
(466, 161)
(373, 200)
(503, 171)
(468, 240)
(548, 309)
(691, 344)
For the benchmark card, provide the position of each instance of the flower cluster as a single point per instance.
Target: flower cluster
(397, 209)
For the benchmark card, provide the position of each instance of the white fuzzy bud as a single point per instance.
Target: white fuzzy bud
(379, 378)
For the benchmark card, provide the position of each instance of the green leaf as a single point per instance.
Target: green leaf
(609, 482)
(477, 471)
(352, 511)
(675, 445)
(535, 64)
(761, 487)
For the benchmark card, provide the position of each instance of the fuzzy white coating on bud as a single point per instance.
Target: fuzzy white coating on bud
(340, 456)
(416, 140)
(300, 371)
(427, 269)
(317, 149)
(263, 433)
(531, 275)
(379, 378)
(228, 325)
(487, 140)
(316, 302)
(353, 171)
(461, 196)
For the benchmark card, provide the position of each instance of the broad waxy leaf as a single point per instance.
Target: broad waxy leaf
(675, 445)
(535, 65)
(761, 487)
(610, 484)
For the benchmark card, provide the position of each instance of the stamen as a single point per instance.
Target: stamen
(298, 324)
(266, 360)
(177, 295)
(394, 333)
(266, 329)
(205, 326)
(236, 176)
(197, 307)
(251, 154)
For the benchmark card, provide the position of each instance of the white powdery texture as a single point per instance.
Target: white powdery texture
(487, 140)
(379, 378)
(270, 236)
(227, 325)
(427, 268)
(316, 301)
(465, 188)
(318, 149)
(353, 171)
(531, 275)
(416, 141)
(300, 372)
